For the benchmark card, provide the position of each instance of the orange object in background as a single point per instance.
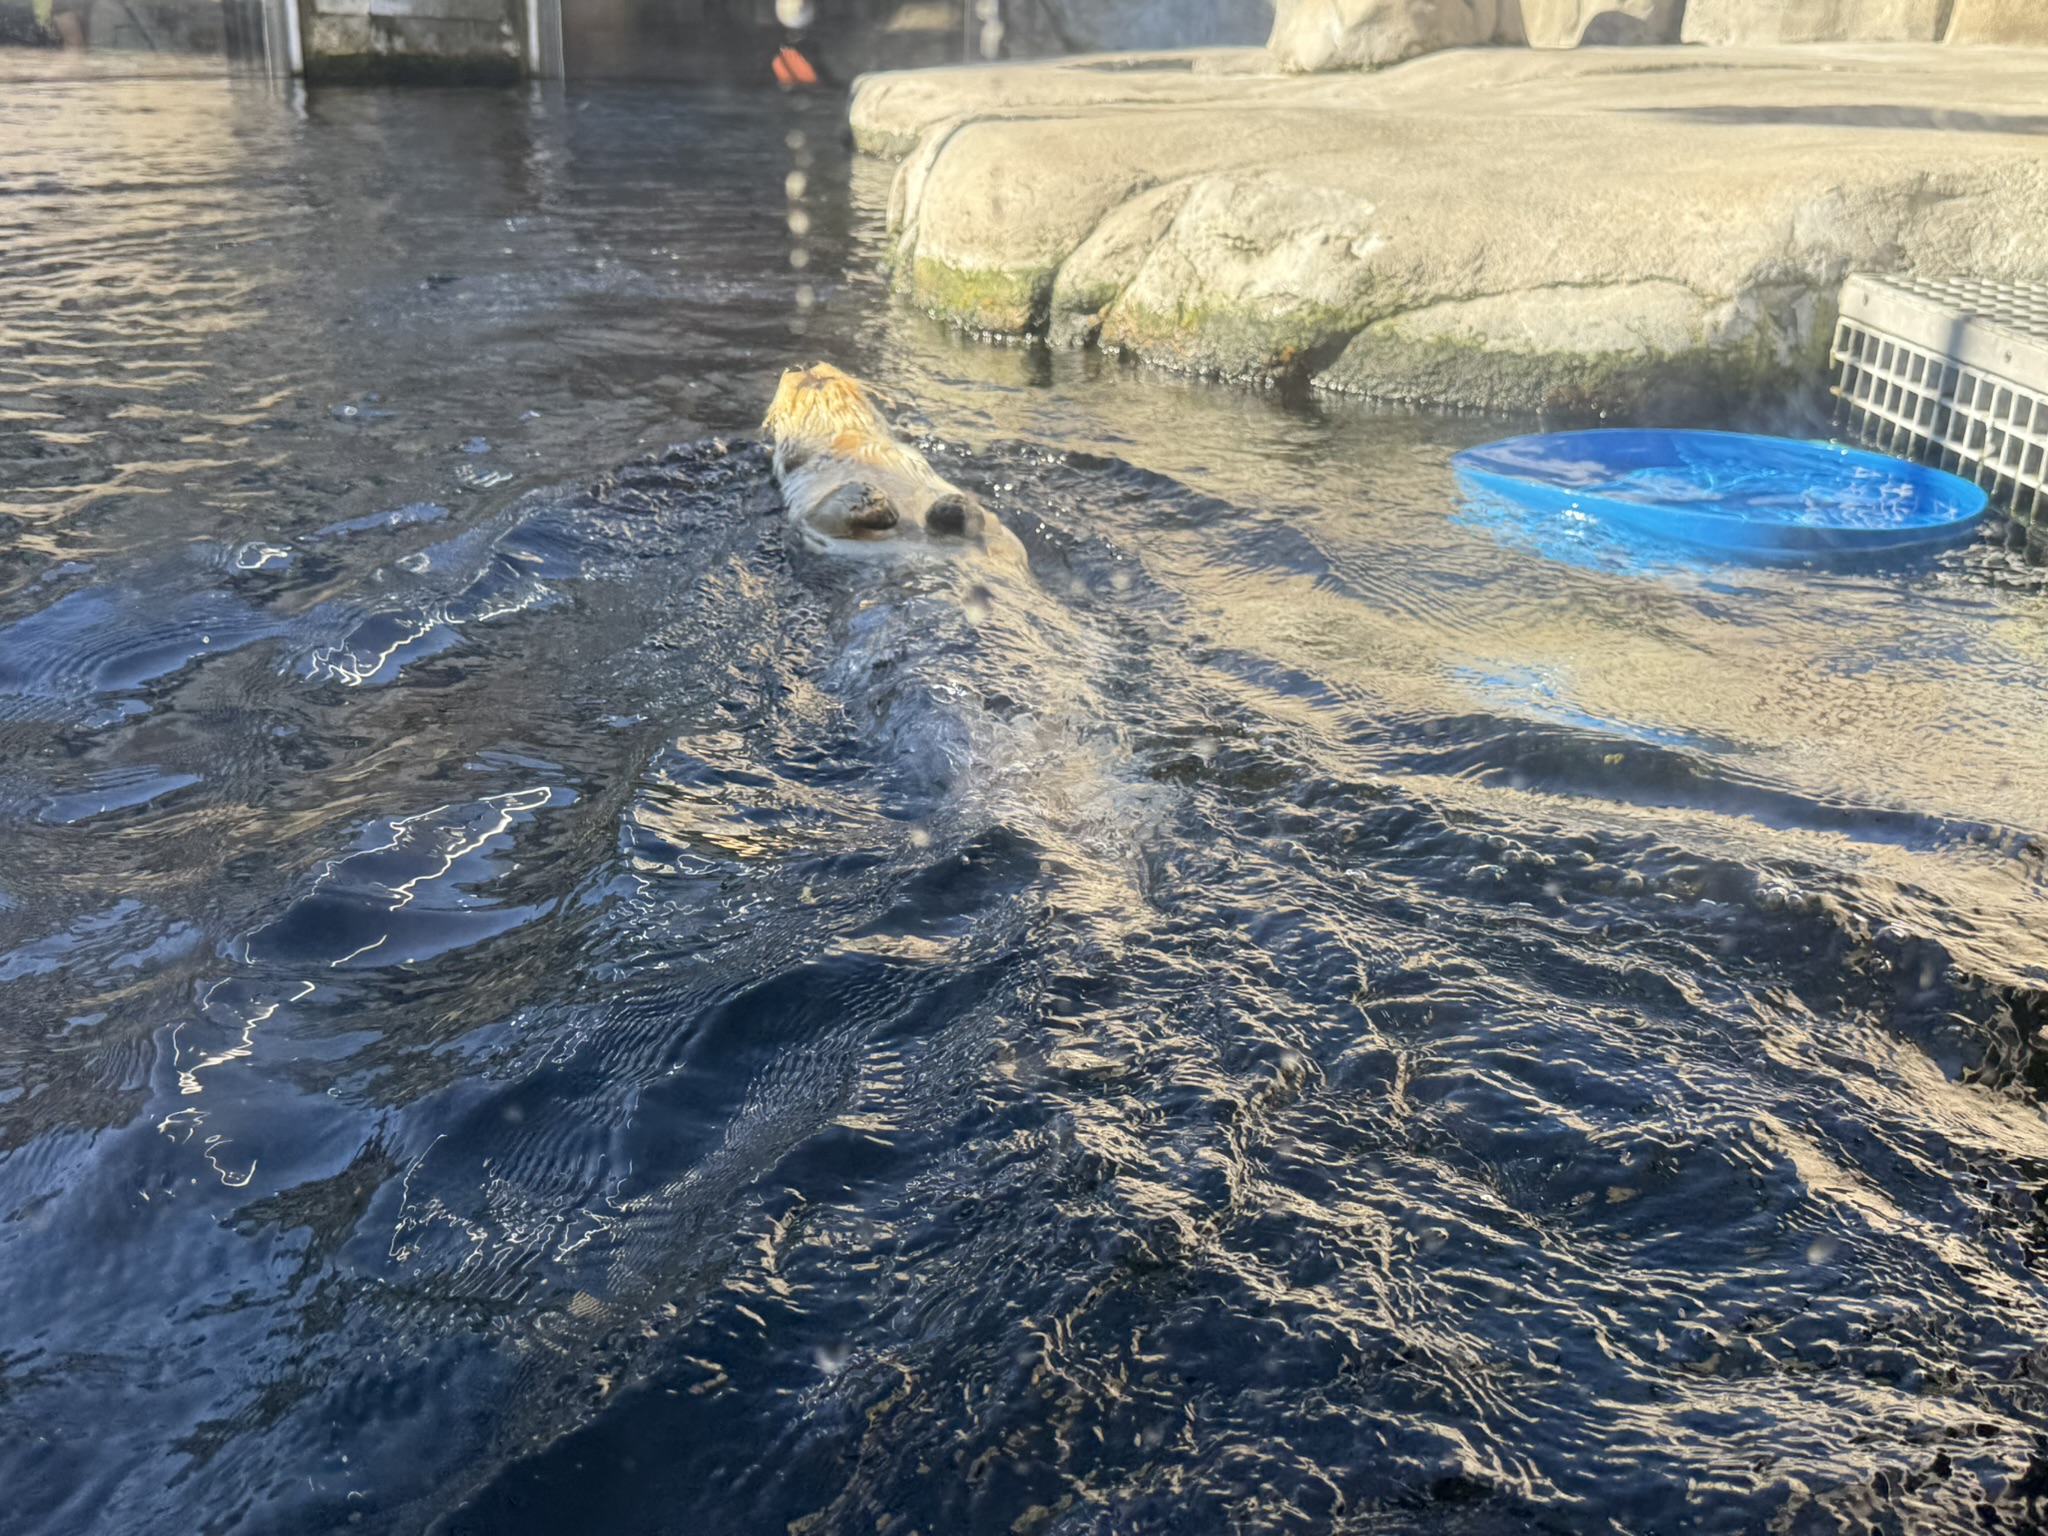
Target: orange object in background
(792, 69)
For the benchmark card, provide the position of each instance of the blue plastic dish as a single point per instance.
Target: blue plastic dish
(1737, 494)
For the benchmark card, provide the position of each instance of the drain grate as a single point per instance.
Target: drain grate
(1952, 372)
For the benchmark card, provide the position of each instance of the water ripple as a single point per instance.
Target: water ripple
(527, 1008)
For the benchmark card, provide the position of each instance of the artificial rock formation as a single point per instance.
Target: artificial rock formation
(1592, 230)
(1573, 23)
(1314, 35)
(2021, 22)
(1728, 22)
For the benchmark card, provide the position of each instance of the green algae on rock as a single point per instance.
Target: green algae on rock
(1594, 230)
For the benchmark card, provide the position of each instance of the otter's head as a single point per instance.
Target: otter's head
(821, 410)
(852, 489)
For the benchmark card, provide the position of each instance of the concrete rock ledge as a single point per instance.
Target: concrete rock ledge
(1620, 231)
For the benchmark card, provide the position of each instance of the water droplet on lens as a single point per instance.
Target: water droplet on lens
(796, 183)
(1822, 1249)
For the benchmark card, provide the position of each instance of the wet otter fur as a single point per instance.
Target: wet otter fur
(851, 489)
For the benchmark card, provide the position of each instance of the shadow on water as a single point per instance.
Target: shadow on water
(526, 1009)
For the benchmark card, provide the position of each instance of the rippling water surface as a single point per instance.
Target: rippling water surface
(523, 1010)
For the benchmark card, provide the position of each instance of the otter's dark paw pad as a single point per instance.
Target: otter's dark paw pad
(851, 511)
(951, 514)
(873, 513)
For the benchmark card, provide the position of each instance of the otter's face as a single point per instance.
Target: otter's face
(820, 410)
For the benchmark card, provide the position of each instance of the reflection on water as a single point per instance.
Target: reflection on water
(524, 1011)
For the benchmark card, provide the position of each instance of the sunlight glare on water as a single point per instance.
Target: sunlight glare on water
(525, 1008)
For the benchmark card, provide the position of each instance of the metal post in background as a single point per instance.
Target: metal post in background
(283, 53)
(263, 36)
(544, 39)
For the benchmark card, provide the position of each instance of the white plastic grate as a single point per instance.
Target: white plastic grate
(1953, 372)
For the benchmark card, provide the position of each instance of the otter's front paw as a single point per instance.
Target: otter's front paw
(853, 510)
(875, 513)
(952, 515)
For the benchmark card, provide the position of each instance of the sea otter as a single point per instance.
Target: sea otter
(852, 489)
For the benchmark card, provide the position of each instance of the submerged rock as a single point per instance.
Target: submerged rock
(1590, 230)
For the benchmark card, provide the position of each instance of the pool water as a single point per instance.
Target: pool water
(523, 1008)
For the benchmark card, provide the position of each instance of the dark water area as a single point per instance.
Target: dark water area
(525, 1009)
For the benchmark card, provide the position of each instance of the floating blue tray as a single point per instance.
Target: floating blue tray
(1738, 494)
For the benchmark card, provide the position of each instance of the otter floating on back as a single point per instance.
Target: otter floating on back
(975, 689)
(851, 489)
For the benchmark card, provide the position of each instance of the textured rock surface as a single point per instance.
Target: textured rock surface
(1314, 35)
(2024, 22)
(1724, 22)
(1571, 23)
(1491, 227)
